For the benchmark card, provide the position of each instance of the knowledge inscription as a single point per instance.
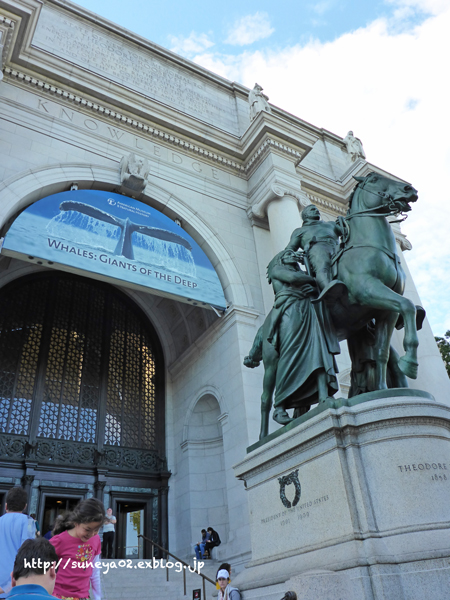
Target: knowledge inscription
(134, 68)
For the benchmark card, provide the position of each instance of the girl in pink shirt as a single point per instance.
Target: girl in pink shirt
(78, 546)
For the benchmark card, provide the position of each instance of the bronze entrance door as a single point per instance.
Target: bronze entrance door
(135, 516)
(130, 524)
(54, 506)
(82, 397)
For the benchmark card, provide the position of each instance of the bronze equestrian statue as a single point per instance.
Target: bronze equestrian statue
(362, 304)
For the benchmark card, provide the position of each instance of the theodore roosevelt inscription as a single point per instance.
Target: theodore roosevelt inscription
(134, 68)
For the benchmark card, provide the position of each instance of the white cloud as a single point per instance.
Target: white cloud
(249, 29)
(322, 6)
(390, 87)
(193, 44)
(433, 7)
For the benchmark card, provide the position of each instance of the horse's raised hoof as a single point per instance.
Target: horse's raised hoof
(408, 367)
(281, 416)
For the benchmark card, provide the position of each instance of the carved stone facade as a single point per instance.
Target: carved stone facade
(257, 102)
(354, 147)
(131, 119)
(134, 172)
(68, 453)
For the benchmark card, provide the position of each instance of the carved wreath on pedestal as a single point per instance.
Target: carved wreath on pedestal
(287, 480)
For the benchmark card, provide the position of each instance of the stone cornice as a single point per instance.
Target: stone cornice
(244, 169)
(337, 208)
(7, 21)
(273, 192)
(7, 26)
(201, 444)
(276, 124)
(269, 144)
(122, 119)
(279, 124)
(142, 42)
(25, 56)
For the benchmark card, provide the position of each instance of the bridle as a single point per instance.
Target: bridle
(393, 210)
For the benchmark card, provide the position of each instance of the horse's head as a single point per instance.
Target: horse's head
(383, 194)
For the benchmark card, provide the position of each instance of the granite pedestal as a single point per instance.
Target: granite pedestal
(353, 503)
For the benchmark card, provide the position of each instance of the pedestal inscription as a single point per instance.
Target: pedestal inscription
(134, 68)
(311, 522)
(372, 484)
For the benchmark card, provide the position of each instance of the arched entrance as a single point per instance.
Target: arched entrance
(204, 464)
(82, 397)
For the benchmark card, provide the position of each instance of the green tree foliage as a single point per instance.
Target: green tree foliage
(136, 520)
(444, 348)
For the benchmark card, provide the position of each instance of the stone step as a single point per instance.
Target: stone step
(125, 580)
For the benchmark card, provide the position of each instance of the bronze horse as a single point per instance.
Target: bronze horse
(370, 268)
(365, 301)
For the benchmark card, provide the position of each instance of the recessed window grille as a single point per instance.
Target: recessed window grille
(78, 362)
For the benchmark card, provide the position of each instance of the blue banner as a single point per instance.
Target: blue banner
(117, 238)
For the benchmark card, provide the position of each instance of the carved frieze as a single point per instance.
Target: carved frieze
(341, 210)
(134, 67)
(79, 454)
(6, 34)
(239, 168)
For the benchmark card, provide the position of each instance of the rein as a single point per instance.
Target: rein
(367, 213)
(389, 253)
(393, 211)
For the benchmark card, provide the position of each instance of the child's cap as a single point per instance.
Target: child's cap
(223, 574)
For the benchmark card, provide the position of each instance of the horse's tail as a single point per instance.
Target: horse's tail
(255, 355)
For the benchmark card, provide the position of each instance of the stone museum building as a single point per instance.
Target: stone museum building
(121, 376)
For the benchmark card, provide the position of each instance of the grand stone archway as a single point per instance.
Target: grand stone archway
(82, 392)
(19, 192)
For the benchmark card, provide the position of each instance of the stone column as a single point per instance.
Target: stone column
(163, 517)
(99, 486)
(274, 213)
(282, 207)
(27, 482)
(284, 216)
(432, 375)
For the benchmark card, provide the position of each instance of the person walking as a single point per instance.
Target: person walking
(108, 534)
(34, 571)
(38, 529)
(15, 528)
(226, 592)
(78, 544)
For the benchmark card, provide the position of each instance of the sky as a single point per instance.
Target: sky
(376, 67)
